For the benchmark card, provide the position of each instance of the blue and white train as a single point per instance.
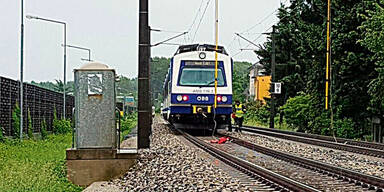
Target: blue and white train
(189, 87)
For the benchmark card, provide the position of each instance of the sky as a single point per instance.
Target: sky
(110, 29)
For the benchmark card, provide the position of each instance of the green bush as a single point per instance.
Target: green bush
(2, 138)
(296, 112)
(30, 129)
(345, 128)
(301, 112)
(257, 112)
(320, 124)
(62, 126)
(16, 121)
(44, 133)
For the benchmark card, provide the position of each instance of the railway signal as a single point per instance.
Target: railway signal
(276, 88)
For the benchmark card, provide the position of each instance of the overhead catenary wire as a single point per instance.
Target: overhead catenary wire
(238, 40)
(258, 37)
(260, 22)
(260, 34)
(232, 42)
(197, 14)
(201, 19)
(186, 33)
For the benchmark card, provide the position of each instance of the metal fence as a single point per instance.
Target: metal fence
(40, 102)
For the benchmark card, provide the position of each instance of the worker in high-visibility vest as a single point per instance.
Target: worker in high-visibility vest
(240, 111)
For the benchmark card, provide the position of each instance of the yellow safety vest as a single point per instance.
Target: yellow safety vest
(239, 110)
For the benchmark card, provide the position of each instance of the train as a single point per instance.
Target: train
(189, 88)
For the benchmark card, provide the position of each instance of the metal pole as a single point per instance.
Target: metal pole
(273, 71)
(144, 126)
(65, 68)
(65, 53)
(328, 74)
(217, 47)
(81, 48)
(174, 37)
(247, 41)
(21, 69)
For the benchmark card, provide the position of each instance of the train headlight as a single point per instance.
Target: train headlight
(179, 98)
(224, 99)
(185, 98)
(202, 55)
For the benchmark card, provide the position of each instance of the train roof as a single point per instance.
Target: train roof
(200, 47)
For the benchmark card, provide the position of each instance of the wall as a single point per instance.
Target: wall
(40, 102)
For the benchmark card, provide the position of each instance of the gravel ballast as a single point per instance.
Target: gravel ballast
(358, 162)
(171, 165)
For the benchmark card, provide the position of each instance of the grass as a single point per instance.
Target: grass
(127, 124)
(35, 165)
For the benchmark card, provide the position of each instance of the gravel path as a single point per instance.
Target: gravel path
(361, 163)
(170, 165)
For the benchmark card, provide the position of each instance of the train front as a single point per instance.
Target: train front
(193, 87)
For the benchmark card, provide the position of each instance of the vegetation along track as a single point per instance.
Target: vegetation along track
(274, 180)
(366, 181)
(361, 147)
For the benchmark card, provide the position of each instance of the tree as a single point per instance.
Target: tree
(301, 51)
(59, 87)
(240, 80)
(373, 39)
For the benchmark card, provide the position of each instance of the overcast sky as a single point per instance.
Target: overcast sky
(110, 29)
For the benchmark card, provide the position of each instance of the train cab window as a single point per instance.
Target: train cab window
(205, 77)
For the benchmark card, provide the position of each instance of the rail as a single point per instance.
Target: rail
(364, 180)
(284, 183)
(325, 138)
(366, 148)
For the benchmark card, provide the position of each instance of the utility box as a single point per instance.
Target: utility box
(95, 156)
(95, 103)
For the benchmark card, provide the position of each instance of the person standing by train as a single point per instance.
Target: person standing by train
(240, 111)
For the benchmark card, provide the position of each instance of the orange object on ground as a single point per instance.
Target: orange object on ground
(221, 140)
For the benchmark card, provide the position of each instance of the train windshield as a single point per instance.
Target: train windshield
(200, 77)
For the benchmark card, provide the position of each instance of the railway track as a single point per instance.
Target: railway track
(265, 177)
(365, 181)
(365, 148)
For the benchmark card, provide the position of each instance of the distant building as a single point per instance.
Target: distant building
(128, 103)
(259, 84)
